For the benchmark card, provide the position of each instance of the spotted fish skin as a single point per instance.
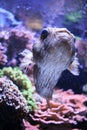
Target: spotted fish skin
(53, 53)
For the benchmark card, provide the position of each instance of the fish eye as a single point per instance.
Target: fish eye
(44, 34)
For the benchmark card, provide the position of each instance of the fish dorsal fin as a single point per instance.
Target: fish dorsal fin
(73, 67)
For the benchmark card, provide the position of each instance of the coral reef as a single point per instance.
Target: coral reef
(18, 109)
(81, 45)
(66, 108)
(19, 39)
(73, 17)
(3, 57)
(28, 126)
(26, 63)
(23, 82)
(15, 40)
(13, 105)
(10, 94)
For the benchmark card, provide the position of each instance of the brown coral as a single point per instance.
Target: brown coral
(13, 105)
(65, 108)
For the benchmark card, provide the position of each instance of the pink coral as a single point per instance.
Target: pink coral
(65, 108)
(19, 39)
(28, 126)
(15, 40)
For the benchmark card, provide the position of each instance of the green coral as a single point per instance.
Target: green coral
(73, 16)
(23, 82)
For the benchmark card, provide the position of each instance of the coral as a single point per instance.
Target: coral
(73, 16)
(81, 45)
(23, 82)
(15, 41)
(13, 105)
(26, 63)
(3, 57)
(11, 95)
(28, 126)
(64, 109)
(4, 35)
(19, 39)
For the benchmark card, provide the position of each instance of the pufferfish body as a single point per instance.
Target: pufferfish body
(53, 53)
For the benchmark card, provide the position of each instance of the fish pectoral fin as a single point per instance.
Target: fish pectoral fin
(73, 67)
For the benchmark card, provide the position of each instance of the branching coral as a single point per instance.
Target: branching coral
(23, 82)
(28, 126)
(65, 108)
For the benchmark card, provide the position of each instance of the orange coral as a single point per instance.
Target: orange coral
(69, 110)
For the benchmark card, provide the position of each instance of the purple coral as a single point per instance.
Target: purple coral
(19, 39)
(3, 57)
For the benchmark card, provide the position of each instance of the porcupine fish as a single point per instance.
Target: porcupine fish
(53, 53)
